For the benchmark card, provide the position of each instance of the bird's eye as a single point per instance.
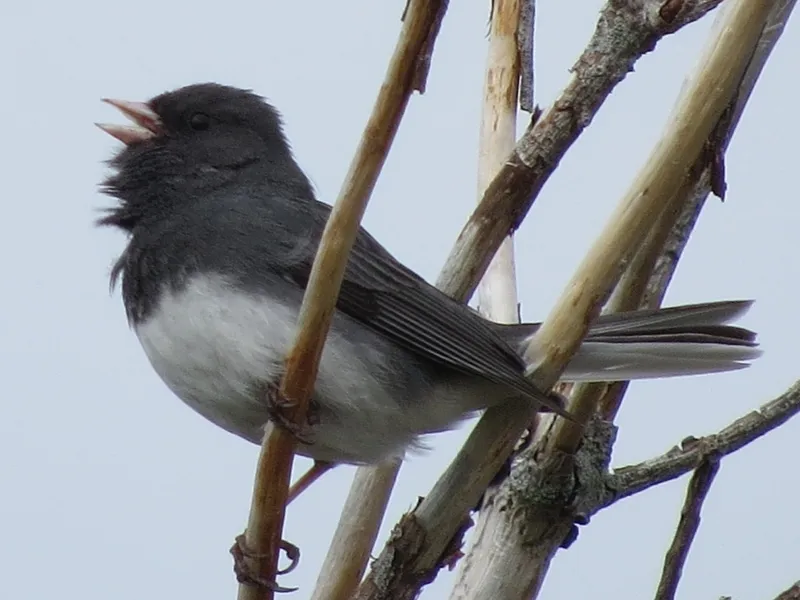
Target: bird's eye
(199, 121)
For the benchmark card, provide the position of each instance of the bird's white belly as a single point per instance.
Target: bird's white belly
(213, 344)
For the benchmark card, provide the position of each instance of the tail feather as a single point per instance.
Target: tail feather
(688, 316)
(649, 344)
(601, 361)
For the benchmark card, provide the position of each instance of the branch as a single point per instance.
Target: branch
(647, 278)
(498, 290)
(626, 30)
(372, 486)
(697, 114)
(691, 452)
(687, 528)
(355, 534)
(533, 511)
(263, 534)
(792, 593)
(709, 171)
(508, 75)
(489, 555)
(415, 552)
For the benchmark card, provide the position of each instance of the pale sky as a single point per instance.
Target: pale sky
(112, 488)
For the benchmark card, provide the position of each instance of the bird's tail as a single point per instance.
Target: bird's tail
(651, 344)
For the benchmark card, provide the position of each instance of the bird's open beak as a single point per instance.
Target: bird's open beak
(146, 122)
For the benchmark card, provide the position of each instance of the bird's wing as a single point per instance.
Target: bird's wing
(394, 301)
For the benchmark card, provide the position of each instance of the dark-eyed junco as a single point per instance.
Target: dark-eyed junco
(223, 226)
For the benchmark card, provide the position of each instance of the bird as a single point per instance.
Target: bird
(222, 226)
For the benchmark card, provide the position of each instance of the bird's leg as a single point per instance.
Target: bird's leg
(319, 468)
(244, 573)
(277, 408)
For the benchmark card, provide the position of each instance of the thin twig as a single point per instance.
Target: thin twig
(541, 498)
(632, 479)
(689, 523)
(263, 534)
(423, 61)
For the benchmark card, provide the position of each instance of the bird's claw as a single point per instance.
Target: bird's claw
(244, 573)
(277, 406)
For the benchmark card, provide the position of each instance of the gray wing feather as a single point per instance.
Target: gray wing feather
(384, 295)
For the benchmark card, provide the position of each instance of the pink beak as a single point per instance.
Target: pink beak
(146, 122)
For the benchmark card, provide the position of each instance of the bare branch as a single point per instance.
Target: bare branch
(688, 525)
(792, 593)
(372, 486)
(497, 294)
(400, 574)
(705, 181)
(263, 535)
(532, 515)
(697, 114)
(626, 30)
(510, 43)
(633, 479)
(355, 534)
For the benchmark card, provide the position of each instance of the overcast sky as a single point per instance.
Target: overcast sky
(112, 488)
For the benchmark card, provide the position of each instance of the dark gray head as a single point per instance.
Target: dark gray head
(192, 140)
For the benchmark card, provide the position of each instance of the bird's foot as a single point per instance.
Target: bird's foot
(244, 572)
(279, 407)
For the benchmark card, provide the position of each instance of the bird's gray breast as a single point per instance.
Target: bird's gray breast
(212, 343)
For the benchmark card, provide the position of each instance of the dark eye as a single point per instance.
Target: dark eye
(199, 121)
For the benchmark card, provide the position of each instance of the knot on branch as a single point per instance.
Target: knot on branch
(397, 569)
(555, 489)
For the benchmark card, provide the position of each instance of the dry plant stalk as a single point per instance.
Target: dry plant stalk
(499, 118)
(626, 30)
(509, 38)
(415, 551)
(497, 294)
(712, 90)
(645, 282)
(263, 534)
(520, 546)
(362, 513)
(502, 555)
(355, 534)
